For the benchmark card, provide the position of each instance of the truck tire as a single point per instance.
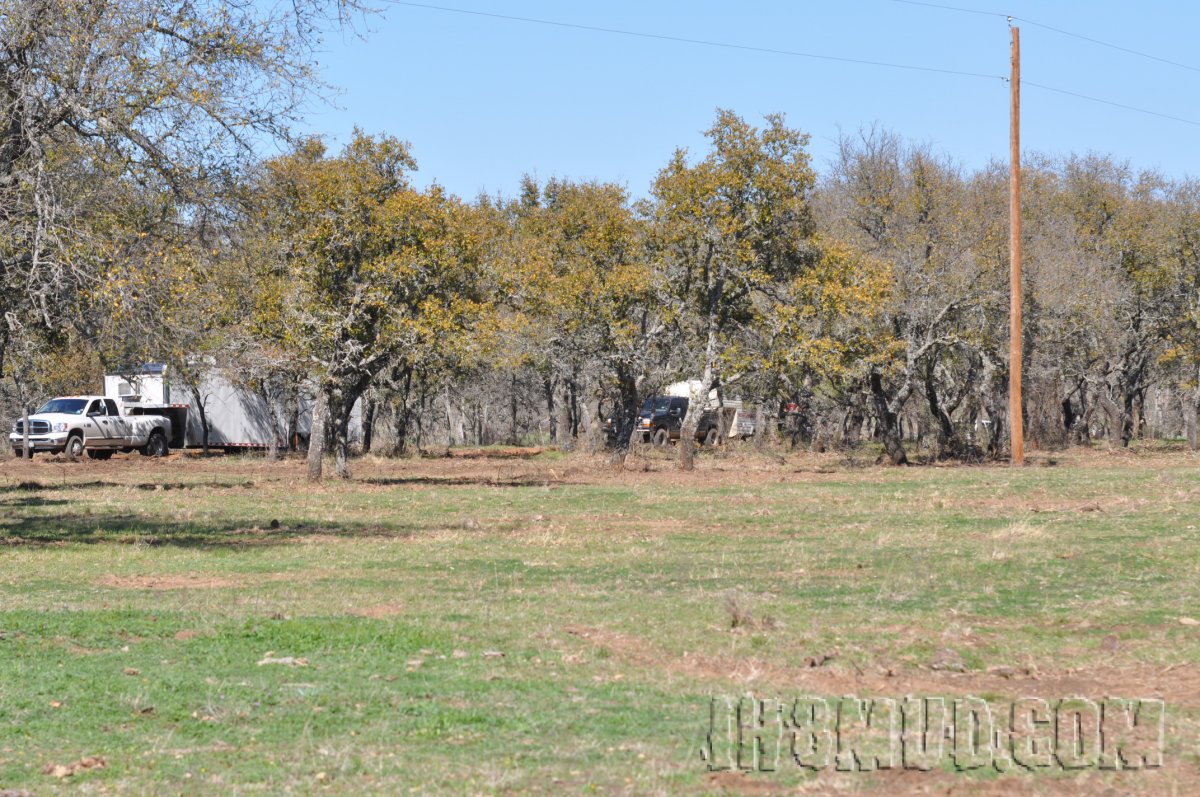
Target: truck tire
(710, 437)
(661, 437)
(94, 454)
(75, 447)
(19, 453)
(156, 446)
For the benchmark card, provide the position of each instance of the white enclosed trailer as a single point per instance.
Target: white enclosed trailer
(237, 418)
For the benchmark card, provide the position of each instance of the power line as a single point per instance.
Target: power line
(1059, 31)
(1089, 98)
(703, 42)
(798, 54)
(953, 8)
(1167, 61)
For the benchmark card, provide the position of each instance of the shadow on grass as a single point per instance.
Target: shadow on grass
(33, 500)
(530, 480)
(127, 529)
(35, 486)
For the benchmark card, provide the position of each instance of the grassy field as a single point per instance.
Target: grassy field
(549, 626)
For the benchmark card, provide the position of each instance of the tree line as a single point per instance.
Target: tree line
(865, 302)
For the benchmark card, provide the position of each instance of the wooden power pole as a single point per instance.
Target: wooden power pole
(1016, 418)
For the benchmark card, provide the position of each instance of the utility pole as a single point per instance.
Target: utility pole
(1016, 418)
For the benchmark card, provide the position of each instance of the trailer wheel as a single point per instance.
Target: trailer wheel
(710, 437)
(156, 446)
(661, 437)
(92, 453)
(75, 447)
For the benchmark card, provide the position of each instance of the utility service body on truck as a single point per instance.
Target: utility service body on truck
(93, 424)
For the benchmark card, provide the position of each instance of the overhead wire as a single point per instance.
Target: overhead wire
(841, 59)
(1113, 103)
(1060, 31)
(703, 42)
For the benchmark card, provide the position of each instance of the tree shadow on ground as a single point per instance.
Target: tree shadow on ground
(530, 480)
(36, 486)
(33, 500)
(128, 529)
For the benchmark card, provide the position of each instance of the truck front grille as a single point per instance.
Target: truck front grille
(35, 427)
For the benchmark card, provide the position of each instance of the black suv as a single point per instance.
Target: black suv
(661, 419)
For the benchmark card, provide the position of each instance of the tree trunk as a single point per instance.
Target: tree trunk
(401, 412)
(1120, 417)
(687, 441)
(512, 407)
(589, 416)
(273, 420)
(316, 438)
(456, 431)
(626, 414)
(368, 424)
(1192, 416)
(293, 426)
(885, 417)
(697, 404)
(687, 433)
(947, 440)
(339, 406)
(573, 405)
(199, 400)
(561, 405)
(760, 421)
(341, 437)
(26, 454)
(551, 415)
(400, 419)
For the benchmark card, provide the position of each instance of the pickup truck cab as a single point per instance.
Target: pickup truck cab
(93, 424)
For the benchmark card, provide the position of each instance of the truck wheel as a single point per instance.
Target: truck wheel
(99, 454)
(156, 446)
(710, 438)
(75, 448)
(19, 453)
(661, 438)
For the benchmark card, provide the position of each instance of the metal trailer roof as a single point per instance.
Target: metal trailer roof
(237, 418)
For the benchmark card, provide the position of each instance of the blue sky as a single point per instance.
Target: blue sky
(484, 100)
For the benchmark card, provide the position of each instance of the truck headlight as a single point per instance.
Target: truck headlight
(59, 427)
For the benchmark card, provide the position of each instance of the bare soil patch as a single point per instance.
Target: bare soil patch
(381, 611)
(180, 581)
(823, 673)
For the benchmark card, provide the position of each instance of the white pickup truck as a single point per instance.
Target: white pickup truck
(93, 424)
